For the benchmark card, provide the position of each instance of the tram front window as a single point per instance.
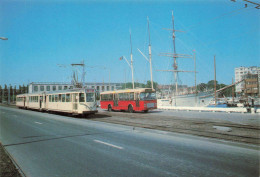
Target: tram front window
(90, 97)
(81, 97)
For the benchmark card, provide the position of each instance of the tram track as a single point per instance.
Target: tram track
(239, 132)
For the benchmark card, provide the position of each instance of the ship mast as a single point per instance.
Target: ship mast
(175, 66)
(150, 54)
(132, 68)
(131, 61)
(174, 55)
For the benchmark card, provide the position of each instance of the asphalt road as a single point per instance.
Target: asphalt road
(45, 144)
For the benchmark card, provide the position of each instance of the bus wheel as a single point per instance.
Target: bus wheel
(145, 111)
(109, 108)
(130, 109)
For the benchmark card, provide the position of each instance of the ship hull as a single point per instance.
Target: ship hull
(191, 100)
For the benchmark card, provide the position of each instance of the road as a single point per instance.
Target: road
(45, 144)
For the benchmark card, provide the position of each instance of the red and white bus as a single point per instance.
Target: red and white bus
(142, 99)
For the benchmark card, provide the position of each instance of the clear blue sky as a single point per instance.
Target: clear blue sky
(42, 34)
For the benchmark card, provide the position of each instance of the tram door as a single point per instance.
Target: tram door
(40, 102)
(24, 100)
(75, 97)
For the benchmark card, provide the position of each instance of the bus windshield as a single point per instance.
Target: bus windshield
(147, 96)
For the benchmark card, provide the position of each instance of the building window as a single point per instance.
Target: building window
(42, 88)
(48, 88)
(103, 87)
(107, 87)
(112, 87)
(71, 87)
(60, 87)
(53, 88)
(65, 87)
(35, 88)
(98, 88)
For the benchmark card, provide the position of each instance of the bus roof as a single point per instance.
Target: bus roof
(129, 90)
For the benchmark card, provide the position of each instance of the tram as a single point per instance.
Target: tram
(74, 101)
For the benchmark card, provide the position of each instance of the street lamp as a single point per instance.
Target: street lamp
(3, 38)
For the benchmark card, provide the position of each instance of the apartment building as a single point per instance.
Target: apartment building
(249, 73)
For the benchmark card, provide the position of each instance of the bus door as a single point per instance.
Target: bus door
(75, 97)
(24, 100)
(137, 100)
(115, 99)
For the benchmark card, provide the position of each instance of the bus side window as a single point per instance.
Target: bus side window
(110, 97)
(131, 96)
(120, 96)
(136, 96)
(116, 96)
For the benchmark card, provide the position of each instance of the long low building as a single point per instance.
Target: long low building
(53, 86)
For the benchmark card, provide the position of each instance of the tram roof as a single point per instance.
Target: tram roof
(129, 90)
(57, 92)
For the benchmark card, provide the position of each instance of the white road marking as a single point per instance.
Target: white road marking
(38, 122)
(118, 147)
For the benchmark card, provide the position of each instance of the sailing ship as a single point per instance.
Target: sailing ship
(189, 100)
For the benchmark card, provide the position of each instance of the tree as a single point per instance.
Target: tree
(5, 93)
(201, 87)
(211, 84)
(149, 85)
(20, 89)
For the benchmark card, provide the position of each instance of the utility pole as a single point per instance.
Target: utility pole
(125, 78)
(13, 94)
(150, 54)
(109, 80)
(215, 82)
(232, 91)
(3, 94)
(195, 79)
(132, 62)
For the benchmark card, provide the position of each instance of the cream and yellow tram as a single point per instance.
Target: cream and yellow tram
(75, 101)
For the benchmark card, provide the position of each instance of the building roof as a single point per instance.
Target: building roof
(129, 90)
